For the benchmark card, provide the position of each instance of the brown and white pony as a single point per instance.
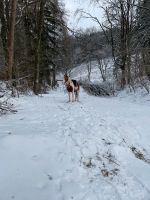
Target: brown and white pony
(72, 87)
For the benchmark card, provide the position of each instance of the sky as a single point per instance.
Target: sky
(72, 5)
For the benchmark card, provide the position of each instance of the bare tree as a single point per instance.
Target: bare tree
(40, 15)
(11, 34)
(143, 36)
(120, 22)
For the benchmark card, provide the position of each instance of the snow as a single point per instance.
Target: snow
(53, 150)
(139, 96)
(81, 71)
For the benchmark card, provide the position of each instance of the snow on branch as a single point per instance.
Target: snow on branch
(5, 104)
(98, 89)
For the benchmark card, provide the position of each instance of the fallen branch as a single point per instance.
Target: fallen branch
(5, 107)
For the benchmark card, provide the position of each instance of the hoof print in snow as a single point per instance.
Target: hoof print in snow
(105, 173)
(50, 177)
(109, 165)
(88, 163)
(111, 158)
(35, 157)
(111, 173)
(14, 111)
(139, 154)
(98, 157)
(115, 171)
(21, 119)
(106, 142)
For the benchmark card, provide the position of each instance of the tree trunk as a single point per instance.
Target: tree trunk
(38, 48)
(3, 27)
(11, 34)
(128, 37)
(123, 79)
(89, 67)
(100, 66)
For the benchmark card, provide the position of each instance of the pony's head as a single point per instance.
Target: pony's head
(66, 77)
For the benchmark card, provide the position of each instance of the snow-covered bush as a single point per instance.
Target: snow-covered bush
(139, 84)
(5, 103)
(98, 89)
(6, 106)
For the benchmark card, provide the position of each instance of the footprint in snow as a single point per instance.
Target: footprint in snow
(50, 178)
(35, 157)
(21, 119)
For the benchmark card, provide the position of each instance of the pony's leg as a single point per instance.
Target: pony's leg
(69, 93)
(73, 98)
(78, 95)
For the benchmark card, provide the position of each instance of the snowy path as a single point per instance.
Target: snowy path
(95, 150)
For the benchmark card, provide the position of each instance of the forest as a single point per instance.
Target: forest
(74, 100)
(36, 43)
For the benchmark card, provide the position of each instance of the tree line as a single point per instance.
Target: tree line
(126, 28)
(31, 31)
(35, 43)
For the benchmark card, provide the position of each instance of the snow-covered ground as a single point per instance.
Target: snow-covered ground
(97, 149)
